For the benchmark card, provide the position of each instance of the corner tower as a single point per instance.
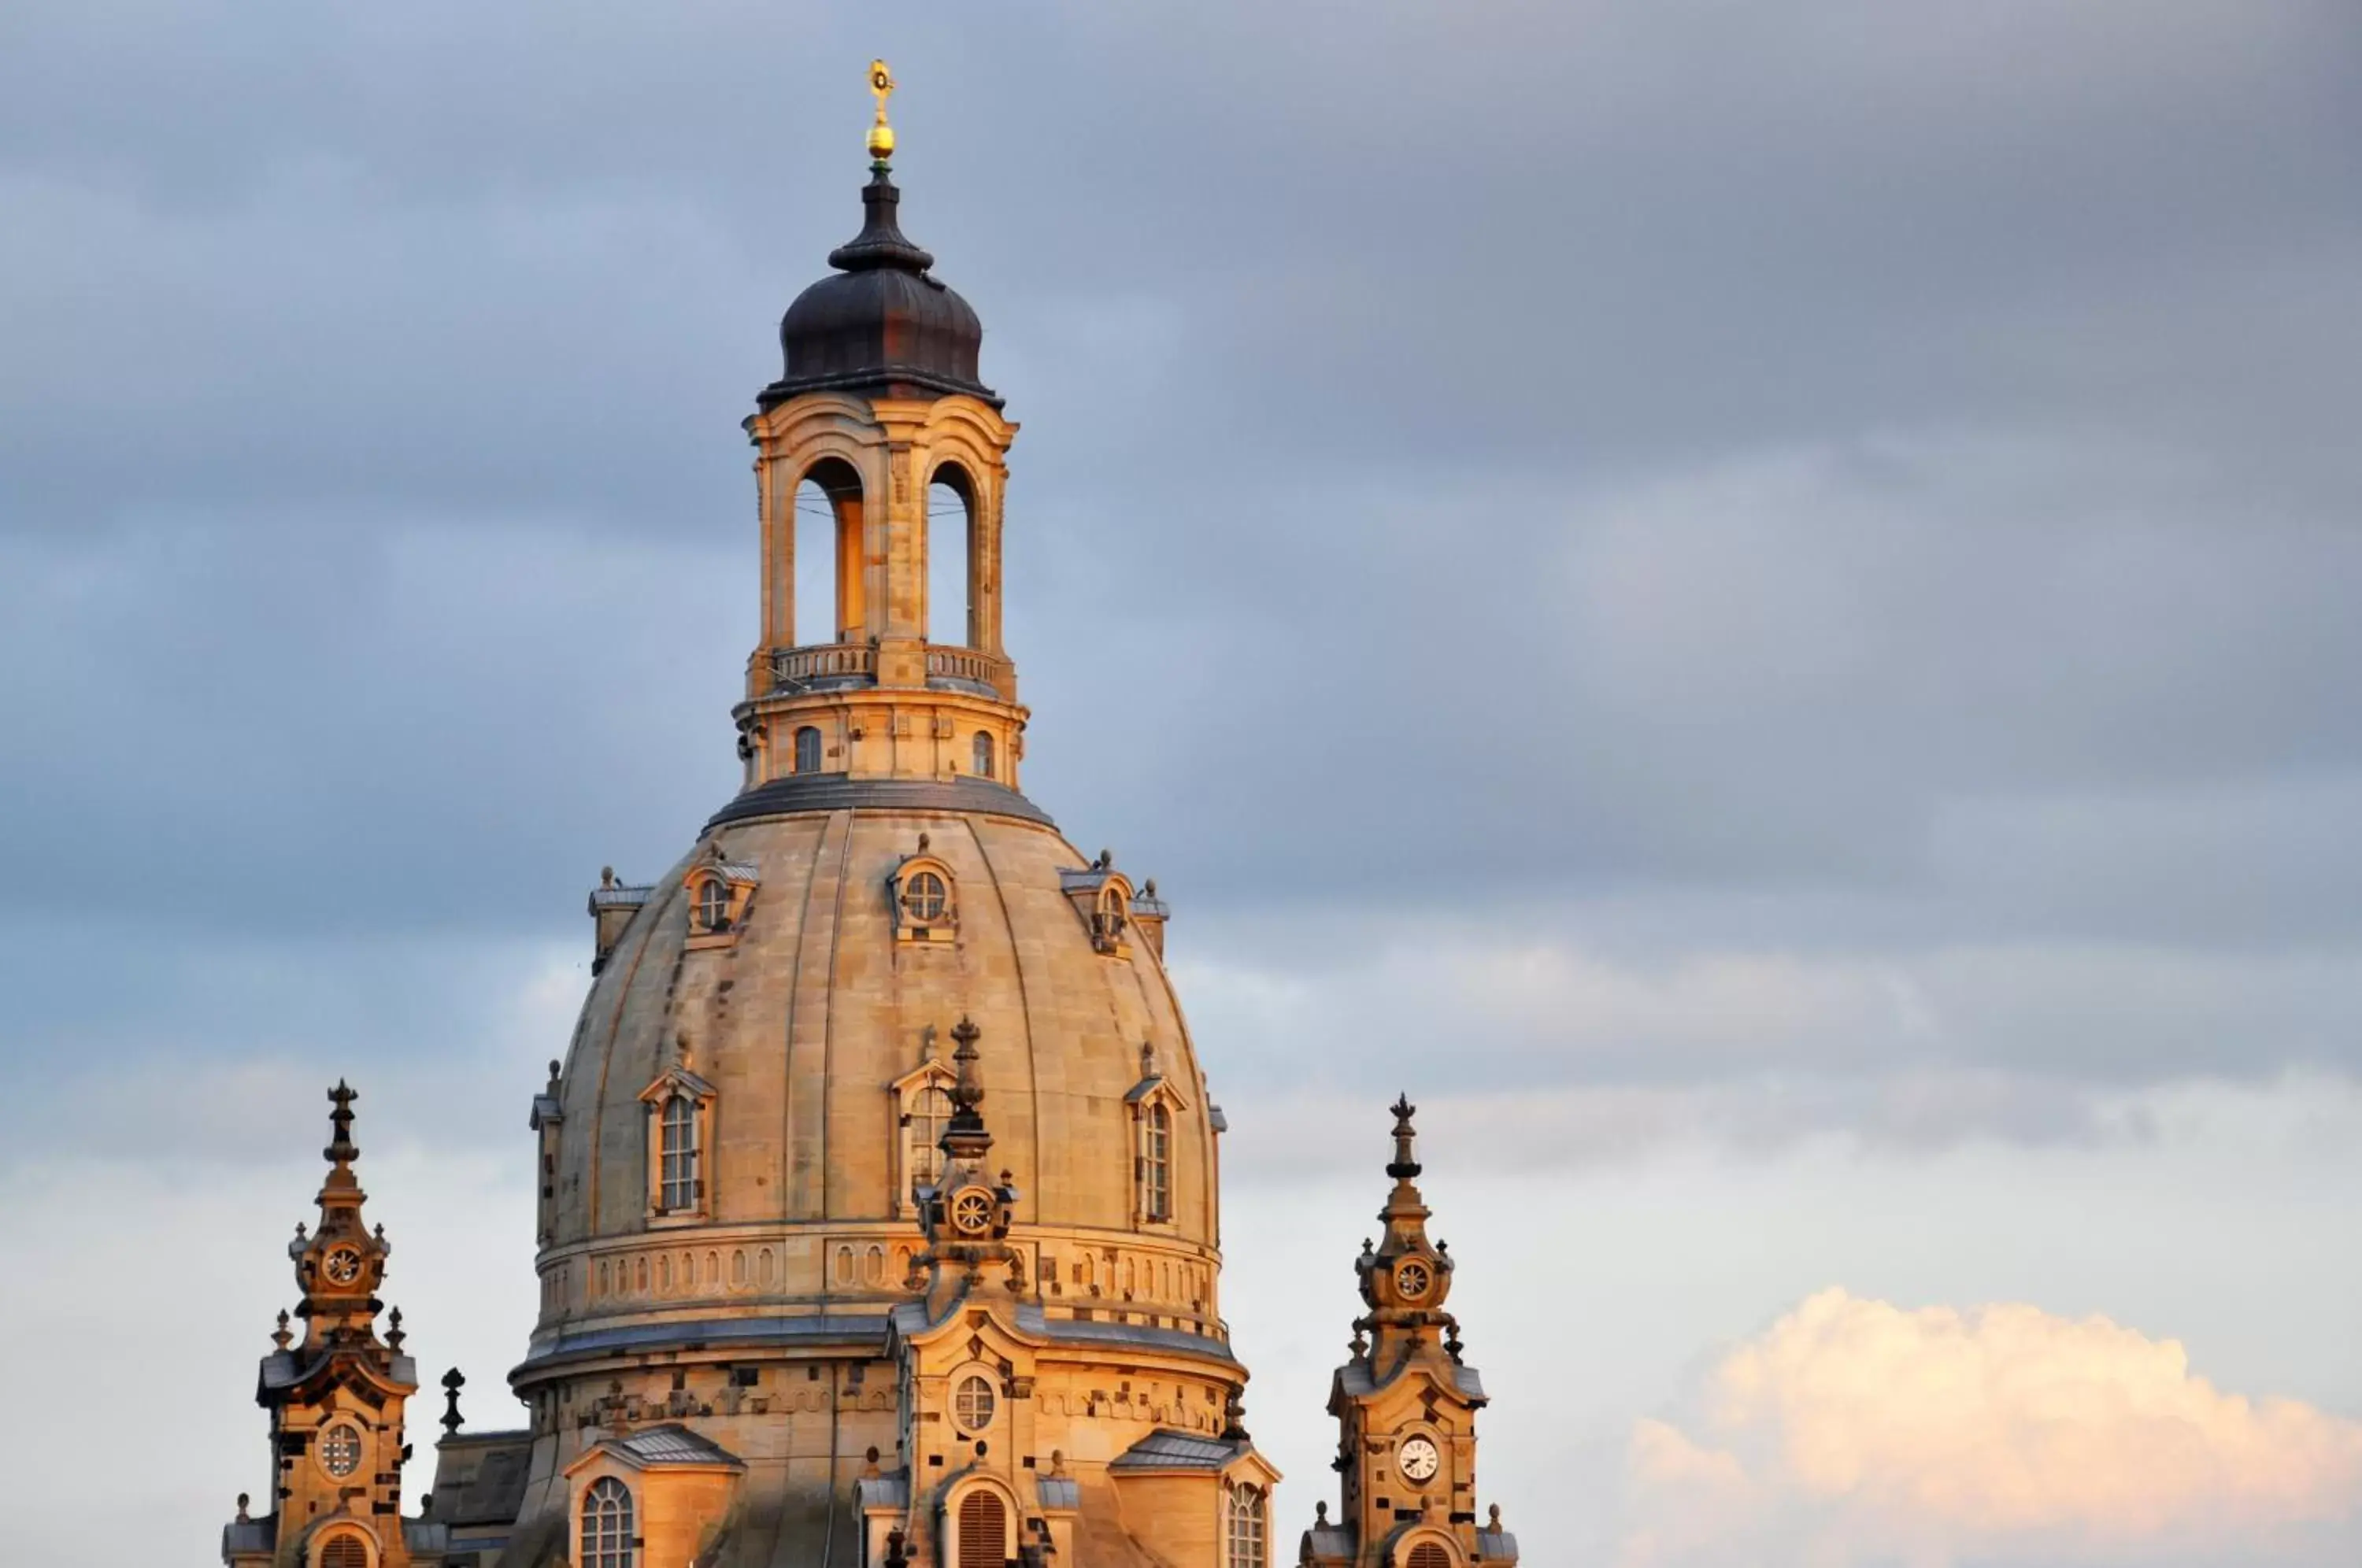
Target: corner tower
(1406, 1406)
(334, 1393)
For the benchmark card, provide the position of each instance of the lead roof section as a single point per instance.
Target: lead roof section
(883, 325)
(1166, 1450)
(799, 792)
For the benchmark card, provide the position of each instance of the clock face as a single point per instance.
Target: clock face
(971, 1212)
(342, 1265)
(1418, 1460)
(1412, 1279)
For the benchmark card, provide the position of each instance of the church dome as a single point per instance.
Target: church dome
(779, 979)
(882, 324)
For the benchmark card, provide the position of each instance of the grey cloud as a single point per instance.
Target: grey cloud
(1839, 482)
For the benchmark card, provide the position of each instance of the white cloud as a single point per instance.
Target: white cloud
(1857, 1432)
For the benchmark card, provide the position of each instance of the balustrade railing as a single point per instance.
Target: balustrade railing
(855, 663)
(965, 664)
(799, 667)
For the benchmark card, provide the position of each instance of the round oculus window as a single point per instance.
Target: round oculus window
(971, 1212)
(1412, 1278)
(973, 1403)
(924, 898)
(340, 1449)
(342, 1265)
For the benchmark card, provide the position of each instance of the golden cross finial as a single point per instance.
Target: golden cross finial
(881, 135)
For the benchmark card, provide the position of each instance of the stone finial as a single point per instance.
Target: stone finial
(897, 1554)
(453, 1381)
(341, 1150)
(966, 1093)
(1057, 1462)
(606, 876)
(922, 843)
(1451, 1346)
(1105, 862)
(425, 1502)
(1234, 1417)
(284, 1336)
(1148, 889)
(1494, 1514)
(1406, 1160)
(869, 1463)
(553, 1075)
(1320, 1514)
(244, 1502)
(1148, 1058)
(394, 1334)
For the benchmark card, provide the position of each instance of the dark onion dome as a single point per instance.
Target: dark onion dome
(881, 327)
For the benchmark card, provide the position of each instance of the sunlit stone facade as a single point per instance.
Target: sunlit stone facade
(880, 1187)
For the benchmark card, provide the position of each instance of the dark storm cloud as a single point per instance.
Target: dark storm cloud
(1871, 483)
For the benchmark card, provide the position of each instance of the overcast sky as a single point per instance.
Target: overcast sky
(1756, 602)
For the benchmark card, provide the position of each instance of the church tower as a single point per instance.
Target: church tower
(1406, 1406)
(334, 1393)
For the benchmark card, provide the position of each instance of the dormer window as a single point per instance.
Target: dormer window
(720, 893)
(1156, 1165)
(1102, 896)
(680, 1134)
(1110, 920)
(678, 1183)
(922, 1104)
(924, 898)
(1155, 1102)
(925, 908)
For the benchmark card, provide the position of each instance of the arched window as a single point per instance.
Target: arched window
(808, 750)
(678, 1144)
(1426, 1554)
(983, 1531)
(1156, 1163)
(346, 1550)
(607, 1525)
(713, 904)
(1109, 920)
(950, 541)
(1244, 1531)
(981, 765)
(930, 1108)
